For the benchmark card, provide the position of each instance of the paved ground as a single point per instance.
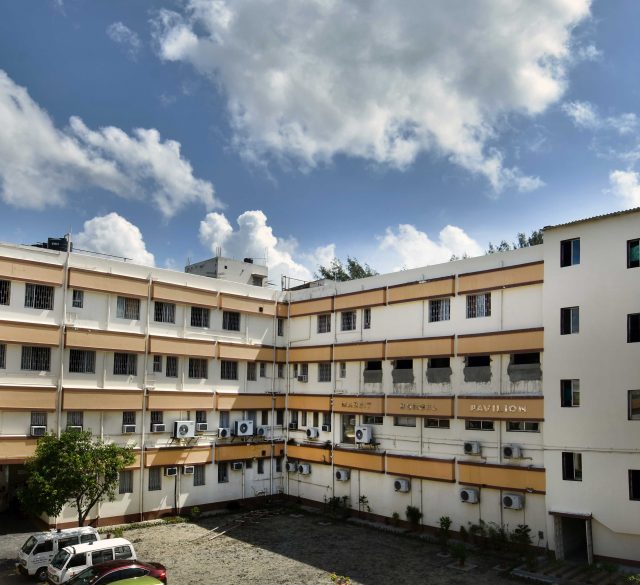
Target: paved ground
(14, 530)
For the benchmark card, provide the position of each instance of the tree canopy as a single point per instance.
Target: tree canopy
(73, 469)
(338, 271)
(524, 241)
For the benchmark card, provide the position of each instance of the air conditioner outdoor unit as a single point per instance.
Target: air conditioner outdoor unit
(243, 428)
(263, 431)
(158, 428)
(128, 429)
(237, 465)
(343, 474)
(303, 378)
(200, 427)
(326, 428)
(304, 469)
(224, 433)
(188, 469)
(511, 451)
(402, 485)
(312, 433)
(171, 471)
(512, 501)
(471, 448)
(74, 428)
(184, 429)
(364, 434)
(291, 466)
(469, 495)
(293, 426)
(37, 431)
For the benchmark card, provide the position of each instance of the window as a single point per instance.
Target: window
(343, 369)
(125, 364)
(569, 393)
(224, 419)
(157, 363)
(37, 359)
(402, 372)
(231, 320)
(280, 327)
(293, 417)
(223, 472)
(569, 320)
(348, 320)
(404, 421)
(634, 404)
(326, 418)
(522, 359)
(171, 370)
(128, 308)
(198, 368)
(228, 370)
(572, 466)
(278, 464)
(82, 361)
(157, 417)
(201, 416)
(439, 310)
(280, 416)
(316, 419)
(251, 371)
(263, 370)
(123, 552)
(634, 484)
(570, 252)
(164, 312)
(260, 466)
(38, 419)
(633, 254)
(38, 296)
(437, 423)
(478, 361)
(129, 417)
(5, 292)
(280, 370)
(264, 417)
(3, 356)
(372, 372)
(198, 475)
(633, 328)
(75, 418)
(77, 301)
(155, 479)
(348, 429)
(479, 305)
(366, 318)
(324, 372)
(371, 419)
(80, 559)
(125, 481)
(199, 317)
(523, 426)
(303, 418)
(324, 323)
(478, 425)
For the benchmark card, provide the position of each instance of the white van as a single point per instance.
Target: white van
(38, 550)
(71, 560)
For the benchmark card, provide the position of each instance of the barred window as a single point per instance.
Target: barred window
(324, 372)
(198, 475)
(366, 318)
(199, 317)
(156, 417)
(231, 320)
(280, 370)
(324, 323)
(164, 312)
(223, 472)
(128, 308)
(197, 368)
(280, 326)
(125, 480)
(75, 418)
(478, 425)
(479, 305)
(129, 417)
(5, 292)
(38, 296)
(38, 419)
(77, 301)
(251, 371)
(155, 479)
(343, 369)
(3, 356)
(125, 364)
(157, 363)
(201, 416)
(263, 370)
(439, 310)
(260, 466)
(228, 370)
(348, 320)
(82, 361)
(171, 366)
(37, 359)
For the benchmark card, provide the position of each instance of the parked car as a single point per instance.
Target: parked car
(112, 571)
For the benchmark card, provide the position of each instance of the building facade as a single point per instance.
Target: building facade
(500, 389)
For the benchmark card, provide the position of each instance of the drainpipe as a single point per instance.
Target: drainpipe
(145, 394)
(63, 319)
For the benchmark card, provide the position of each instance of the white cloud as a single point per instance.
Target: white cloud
(626, 186)
(383, 81)
(113, 234)
(41, 165)
(587, 53)
(121, 34)
(585, 115)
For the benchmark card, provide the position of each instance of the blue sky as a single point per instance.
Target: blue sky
(397, 132)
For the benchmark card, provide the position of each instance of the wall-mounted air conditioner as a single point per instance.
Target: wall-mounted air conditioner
(511, 451)
(158, 428)
(469, 495)
(312, 433)
(402, 485)
(303, 378)
(343, 474)
(201, 427)
(364, 434)
(188, 469)
(304, 469)
(472, 448)
(224, 433)
(38, 431)
(291, 466)
(263, 431)
(171, 471)
(237, 465)
(512, 501)
(326, 428)
(126, 429)
(184, 429)
(243, 428)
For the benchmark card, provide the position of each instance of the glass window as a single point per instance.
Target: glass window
(263, 370)
(371, 419)
(366, 318)
(634, 484)
(224, 419)
(348, 320)
(125, 364)
(343, 369)
(123, 552)
(324, 372)
(348, 428)
(82, 361)
(129, 417)
(478, 425)
(437, 423)
(36, 359)
(479, 305)
(223, 472)
(569, 320)
(280, 327)
(75, 418)
(157, 363)
(260, 466)
(523, 426)
(633, 253)
(38, 296)
(633, 328)
(280, 416)
(280, 370)
(228, 370)
(155, 479)
(5, 292)
(404, 421)
(199, 317)
(164, 312)
(634, 404)
(569, 393)
(3, 356)
(77, 301)
(128, 308)
(38, 419)
(201, 416)
(171, 366)
(198, 368)
(198, 475)
(231, 320)
(570, 252)
(439, 310)
(572, 466)
(251, 371)
(324, 323)
(125, 482)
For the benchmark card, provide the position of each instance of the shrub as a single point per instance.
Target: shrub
(443, 532)
(413, 515)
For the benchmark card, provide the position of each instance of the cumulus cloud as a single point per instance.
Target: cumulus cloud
(383, 81)
(585, 115)
(113, 234)
(626, 186)
(121, 34)
(40, 165)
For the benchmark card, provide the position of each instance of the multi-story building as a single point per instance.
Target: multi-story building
(419, 388)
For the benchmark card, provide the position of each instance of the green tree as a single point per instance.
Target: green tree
(73, 469)
(524, 241)
(336, 270)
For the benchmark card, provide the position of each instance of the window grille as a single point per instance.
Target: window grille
(479, 305)
(197, 368)
(155, 479)
(324, 372)
(75, 418)
(77, 301)
(348, 319)
(201, 416)
(3, 356)
(199, 317)
(228, 370)
(280, 326)
(367, 318)
(260, 466)
(126, 482)
(37, 359)
(157, 363)
(125, 364)
(128, 308)
(343, 369)
(251, 371)
(223, 472)
(82, 361)
(156, 417)
(280, 416)
(164, 312)
(324, 323)
(38, 296)
(439, 310)
(198, 475)
(231, 320)
(263, 370)
(171, 366)
(129, 417)
(280, 370)
(304, 370)
(5, 292)
(38, 419)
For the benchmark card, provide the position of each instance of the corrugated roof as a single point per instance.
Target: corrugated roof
(594, 218)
